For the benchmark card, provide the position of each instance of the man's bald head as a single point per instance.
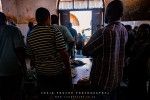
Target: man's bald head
(115, 9)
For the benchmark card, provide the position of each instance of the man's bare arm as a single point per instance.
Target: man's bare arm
(20, 53)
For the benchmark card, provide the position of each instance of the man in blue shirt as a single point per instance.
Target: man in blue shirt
(31, 26)
(84, 36)
(74, 34)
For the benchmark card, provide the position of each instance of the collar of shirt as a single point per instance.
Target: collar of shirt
(115, 22)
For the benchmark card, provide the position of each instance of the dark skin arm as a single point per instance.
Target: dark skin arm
(20, 53)
(65, 59)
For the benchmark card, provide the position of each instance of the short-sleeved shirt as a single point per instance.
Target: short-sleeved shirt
(73, 32)
(44, 43)
(29, 31)
(66, 34)
(10, 38)
(83, 35)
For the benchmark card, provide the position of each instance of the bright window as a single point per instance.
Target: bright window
(65, 4)
(0, 6)
(95, 4)
(80, 4)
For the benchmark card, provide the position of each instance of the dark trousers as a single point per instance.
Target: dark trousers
(53, 86)
(137, 90)
(72, 53)
(102, 94)
(10, 87)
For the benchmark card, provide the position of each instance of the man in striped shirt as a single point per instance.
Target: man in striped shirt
(107, 47)
(47, 49)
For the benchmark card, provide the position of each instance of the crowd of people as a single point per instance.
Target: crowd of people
(118, 52)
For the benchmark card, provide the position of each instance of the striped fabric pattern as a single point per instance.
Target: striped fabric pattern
(107, 47)
(44, 42)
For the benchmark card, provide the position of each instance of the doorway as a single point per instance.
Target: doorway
(92, 17)
(84, 19)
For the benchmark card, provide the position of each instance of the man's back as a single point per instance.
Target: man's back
(10, 38)
(107, 50)
(44, 42)
(73, 32)
(115, 38)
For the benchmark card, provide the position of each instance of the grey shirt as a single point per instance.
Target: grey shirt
(10, 38)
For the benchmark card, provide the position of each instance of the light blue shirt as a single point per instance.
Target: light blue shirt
(83, 35)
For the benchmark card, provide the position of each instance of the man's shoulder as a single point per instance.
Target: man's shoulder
(114, 27)
(65, 28)
(54, 28)
(7, 29)
(10, 27)
(98, 32)
(73, 29)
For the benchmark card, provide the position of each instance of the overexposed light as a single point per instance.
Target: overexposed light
(1, 6)
(84, 18)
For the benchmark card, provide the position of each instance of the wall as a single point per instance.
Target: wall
(135, 9)
(9, 7)
(23, 11)
(136, 12)
(26, 11)
(27, 8)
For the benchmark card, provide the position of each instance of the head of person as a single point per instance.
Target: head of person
(143, 32)
(3, 19)
(79, 34)
(54, 19)
(114, 11)
(69, 25)
(136, 28)
(30, 25)
(42, 16)
(128, 28)
(82, 31)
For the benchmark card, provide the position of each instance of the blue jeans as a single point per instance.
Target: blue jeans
(102, 94)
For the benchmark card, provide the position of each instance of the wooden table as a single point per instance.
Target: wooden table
(82, 71)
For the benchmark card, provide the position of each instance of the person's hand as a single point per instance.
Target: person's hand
(69, 73)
